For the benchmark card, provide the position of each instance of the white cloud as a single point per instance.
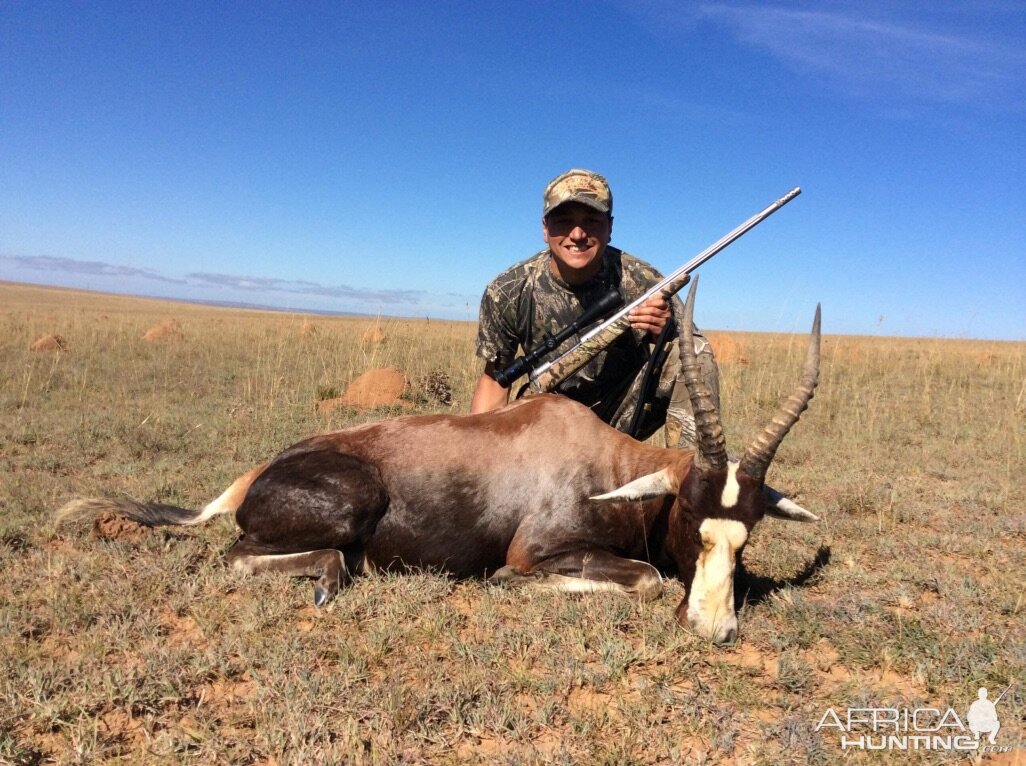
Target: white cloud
(87, 268)
(407, 299)
(943, 54)
(868, 54)
(304, 287)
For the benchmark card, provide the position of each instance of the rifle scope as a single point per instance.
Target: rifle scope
(526, 363)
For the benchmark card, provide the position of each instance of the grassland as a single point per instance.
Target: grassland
(145, 649)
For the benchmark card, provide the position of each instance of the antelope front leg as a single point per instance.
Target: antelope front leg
(587, 571)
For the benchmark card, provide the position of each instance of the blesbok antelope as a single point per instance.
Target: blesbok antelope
(521, 494)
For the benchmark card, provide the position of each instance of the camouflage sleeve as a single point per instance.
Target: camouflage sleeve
(497, 338)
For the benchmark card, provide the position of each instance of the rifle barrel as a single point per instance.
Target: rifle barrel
(551, 374)
(1000, 696)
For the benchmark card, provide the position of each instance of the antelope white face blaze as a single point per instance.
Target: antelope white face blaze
(731, 489)
(711, 596)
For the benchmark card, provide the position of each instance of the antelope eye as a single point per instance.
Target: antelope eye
(698, 539)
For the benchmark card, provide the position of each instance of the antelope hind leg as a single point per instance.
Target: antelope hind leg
(327, 565)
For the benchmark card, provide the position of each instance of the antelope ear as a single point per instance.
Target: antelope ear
(781, 507)
(647, 487)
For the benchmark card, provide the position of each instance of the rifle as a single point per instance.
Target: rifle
(551, 374)
(526, 363)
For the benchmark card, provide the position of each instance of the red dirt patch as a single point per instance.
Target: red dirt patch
(122, 727)
(751, 657)
(589, 700)
(375, 388)
(182, 630)
(169, 328)
(110, 526)
(225, 692)
(727, 348)
(308, 618)
(50, 343)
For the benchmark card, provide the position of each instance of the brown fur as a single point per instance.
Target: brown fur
(504, 494)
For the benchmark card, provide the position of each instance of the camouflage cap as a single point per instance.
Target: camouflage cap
(578, 185)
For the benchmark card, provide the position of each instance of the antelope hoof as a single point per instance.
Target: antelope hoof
(504, 574)
(510, 575)
(324, 594)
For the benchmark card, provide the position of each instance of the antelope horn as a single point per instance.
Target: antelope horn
(712, 445)
(658, 484)
(757, 457)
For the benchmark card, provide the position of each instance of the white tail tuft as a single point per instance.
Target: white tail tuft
(230, 500)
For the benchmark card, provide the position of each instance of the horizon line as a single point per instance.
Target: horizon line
(243, 306)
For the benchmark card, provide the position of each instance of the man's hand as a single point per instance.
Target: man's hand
(651, 315)
(488, 395)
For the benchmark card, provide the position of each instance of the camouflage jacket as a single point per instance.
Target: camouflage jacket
(526, 302)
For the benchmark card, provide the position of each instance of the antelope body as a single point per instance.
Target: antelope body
(540, 492)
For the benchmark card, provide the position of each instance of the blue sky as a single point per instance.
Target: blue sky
(390, 157)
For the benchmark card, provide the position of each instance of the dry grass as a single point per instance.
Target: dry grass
(909, 592)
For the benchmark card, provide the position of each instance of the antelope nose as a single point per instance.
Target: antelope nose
(724, 632)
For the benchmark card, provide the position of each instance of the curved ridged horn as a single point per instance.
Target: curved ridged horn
(712, 444)
(757, 458)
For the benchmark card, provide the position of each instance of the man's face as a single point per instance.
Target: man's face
(576, 234)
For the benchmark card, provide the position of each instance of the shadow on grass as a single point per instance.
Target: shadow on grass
(753, 589)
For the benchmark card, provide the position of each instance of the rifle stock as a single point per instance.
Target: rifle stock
(551, 374)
